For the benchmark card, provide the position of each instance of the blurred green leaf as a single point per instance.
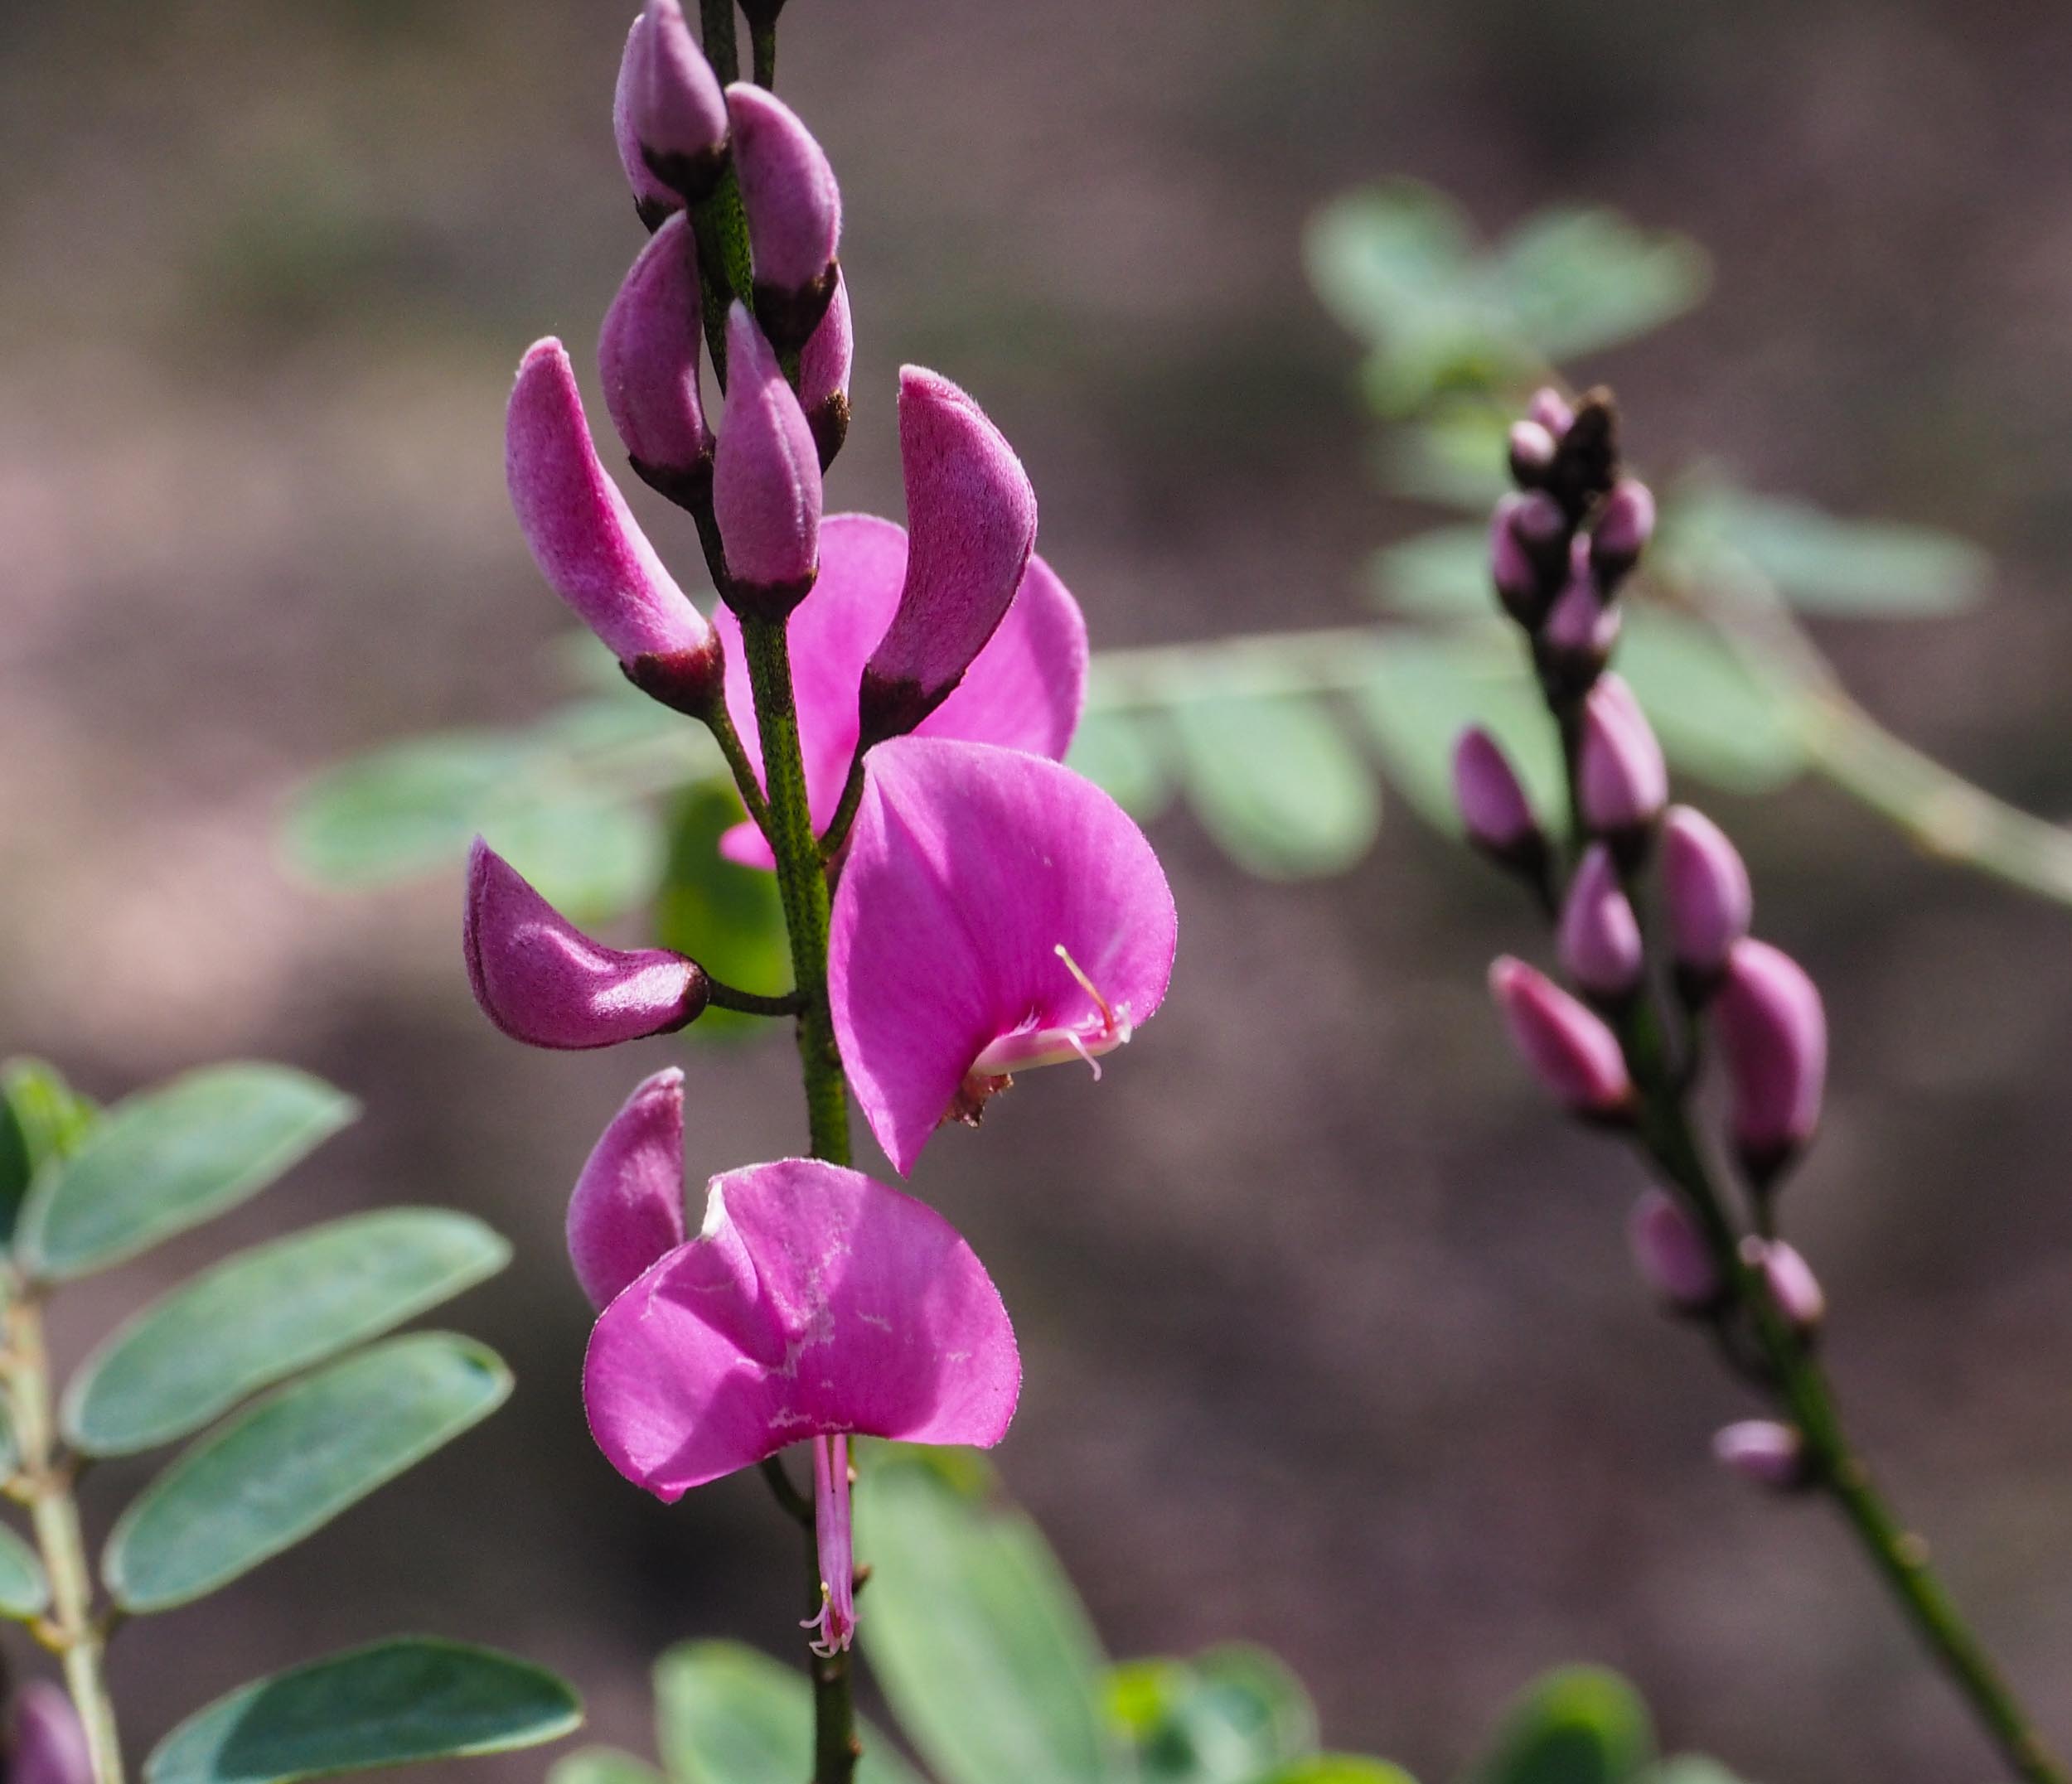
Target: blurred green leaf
(983, 1649)
(725, 915)
(1120, 751)
(398, 1703)
(1575, 281)
(1277, 784)
(1389, 260)
(1442, 574)
(267, 1314)
(601, 1765)
(1230, 1716)
(1821, 564)
(24, 1591)
(1579, 1725)
(402, 809)
(1689, 1768)
(42, 1118)
(1430, 690)
(1457, 457)
(289, 1465)
(171, 1158)
(727, 1714)
(1339, 1768)
(1716, 715)
(592, 858)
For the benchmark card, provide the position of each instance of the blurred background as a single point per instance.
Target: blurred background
(1330, 1337)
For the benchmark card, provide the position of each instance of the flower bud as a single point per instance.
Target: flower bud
(971, 526)
(48, 1743)
(652, 198)
(679, 114)
(1575, 640)
(1532, 449)
(824, 365)
(1625, 523)
(543, 981)
(1622, 781)
(1599, 934)
(1672, 1255)
(794, 210)
(588, 546)
(1773, 1033)
(765, 485)
(1764, 1452)
(1707, 897)
(1570, 1050)
(1550, 408)
(1791, 1283)
(647, 354)
(1528, 550)
(1495, 809)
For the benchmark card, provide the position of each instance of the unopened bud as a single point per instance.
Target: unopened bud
(1791, 1282)
(652, 198)
(1599, 934)
(1622, 781)
(1532, 449)
(1529, 551)
(1764, 1452)
(680, 114)
(647, 355)
(1550, 408)
(1773, 1033)
(824, 367)
(766, 481)
(1707, 897)
(1570, 1050)
(1494, 810)
(1624, 524)
(1672, 1255)
(794, 210)
(48, 1742)
(1575, 641)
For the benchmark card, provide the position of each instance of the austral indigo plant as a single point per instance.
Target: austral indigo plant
(892, 703)
(1627, 1048)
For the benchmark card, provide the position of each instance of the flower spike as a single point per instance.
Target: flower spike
(627, 1208)
(543, 981)
(648, 354)
(794, 211)
(765, 487)
(971, 525)
(588, 546)
(996, 912)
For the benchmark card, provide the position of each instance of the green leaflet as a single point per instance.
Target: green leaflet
(24, 1591)
(727, 1714)
(267, 1314)
(1277, 784)
(1231, 1715)
(1579, 1725)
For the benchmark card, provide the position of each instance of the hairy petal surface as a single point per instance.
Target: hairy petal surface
(814, 1300)
(969, 868)
(627, 1208)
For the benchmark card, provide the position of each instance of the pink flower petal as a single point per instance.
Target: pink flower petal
(541, 980)
(627, 1208)
(969, 868)
(1026, 690)
(814, 1300)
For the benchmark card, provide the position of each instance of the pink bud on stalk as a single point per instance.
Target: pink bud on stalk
(1575, 640)
(1494, 810)
(1599, 934)
(679, 114)
(823, 366)
(766, 484)
(971, 526)
(648, 353)
(1532, 449)
(1774, 1035)
(1624, 524)
(1622, 781)
(48, 1742)
(1764, 1452)
(1672, 1255)
(794, 211)
(652, 198)
(1551, 409)
(1791, 1282)
(1570, 1050)
(1527, 549)
(1707, 897)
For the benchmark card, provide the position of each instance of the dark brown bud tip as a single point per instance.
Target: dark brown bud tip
(830, 425)
(789, 315)
(768, 601)
(691, 682)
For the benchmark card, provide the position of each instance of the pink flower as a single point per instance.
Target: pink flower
(588, 546)
(627, 1208)
(996, 912)
(814, 1303)
(49, 1744)
(971, 525)
(541, 980)
(1023, 690)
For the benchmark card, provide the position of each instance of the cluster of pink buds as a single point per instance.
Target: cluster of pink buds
(1561, 544)
(991, 911)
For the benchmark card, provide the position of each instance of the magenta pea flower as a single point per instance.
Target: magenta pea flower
(48, 1743)
(627, 1206)
(814, 1304)
(996, 912)
(1023, 690)
(542, 981)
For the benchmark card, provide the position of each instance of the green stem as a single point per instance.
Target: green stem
(719, 227)
(846, 810)
(762, 38)
(716, 17)
(720, 723)
(72, 1628)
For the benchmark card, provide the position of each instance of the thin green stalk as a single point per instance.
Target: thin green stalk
(72, 1628)
(720, 723)
(763, 40)
(716, 17)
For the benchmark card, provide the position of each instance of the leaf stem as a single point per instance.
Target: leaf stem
(73, 1628)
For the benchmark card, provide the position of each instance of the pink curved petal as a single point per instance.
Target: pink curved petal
(969, 868)
(814, 1300)
(541, 980)
(1025, 691)
(627, 1208)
